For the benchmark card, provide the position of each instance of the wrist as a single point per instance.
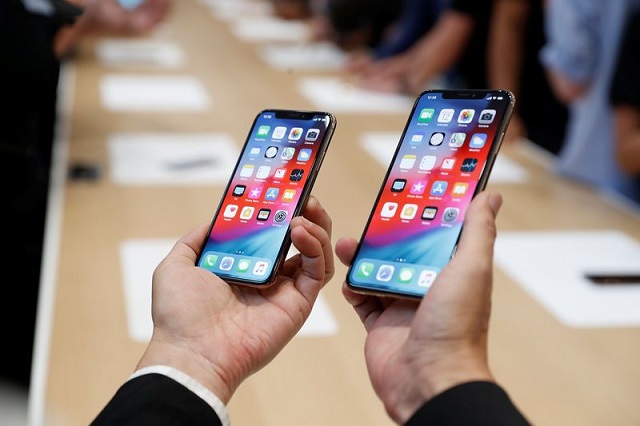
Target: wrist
(449, 370)
(184, 358)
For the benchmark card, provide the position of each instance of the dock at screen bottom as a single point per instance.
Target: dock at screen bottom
(394, 275)
(241, 266)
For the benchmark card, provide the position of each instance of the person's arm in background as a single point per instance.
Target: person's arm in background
(105, 17)
(625, 98)
(436, 52)
(506, 56)
(209, 336)
(568, 55)
(428, 361)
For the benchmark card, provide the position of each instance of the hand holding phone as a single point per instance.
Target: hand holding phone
(249, 235)
(444, 158)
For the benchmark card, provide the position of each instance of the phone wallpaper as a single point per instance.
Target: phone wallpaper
(415, 225)
(262, 197)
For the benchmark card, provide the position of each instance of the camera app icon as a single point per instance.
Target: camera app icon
(487, 116)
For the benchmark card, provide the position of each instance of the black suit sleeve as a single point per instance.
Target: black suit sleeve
(473, 403)
(155, 399)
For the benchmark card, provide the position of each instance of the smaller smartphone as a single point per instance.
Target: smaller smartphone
(249, 235)
(443, 159)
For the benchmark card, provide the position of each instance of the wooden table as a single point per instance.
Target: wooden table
(557, 375)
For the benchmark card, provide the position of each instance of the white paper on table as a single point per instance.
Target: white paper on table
(382, 145)
(153, 93)
(551, 267)
(139, 258)
(140, 53)
(300, 56)
(270, 29)
(333, 94)
(233, 10)
(171, 159)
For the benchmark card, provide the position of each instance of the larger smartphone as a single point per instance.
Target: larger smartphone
(249, 235)
(442, 161)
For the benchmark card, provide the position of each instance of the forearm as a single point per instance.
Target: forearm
(627, 120)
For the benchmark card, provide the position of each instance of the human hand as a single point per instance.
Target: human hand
(108, 17)
(220, 334)
(415, 351)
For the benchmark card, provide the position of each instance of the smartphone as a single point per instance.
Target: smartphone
(249, 235)
(443, 159)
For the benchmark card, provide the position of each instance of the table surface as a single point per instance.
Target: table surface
(558, 375)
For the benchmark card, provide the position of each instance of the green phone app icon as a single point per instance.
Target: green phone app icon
(263, 130)
(210, 260)
(365, 270)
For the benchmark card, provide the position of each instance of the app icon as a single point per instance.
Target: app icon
(450, 214)
(427, 278)
(439, 188)
(389, 209)
(226, 263)
(448, 163)
(364, 270)
(416, 138)
(230, 211)
(457, 139)
(280, 173)
(287, 153)
(247, 170)
(466, 116)
(263, 172)
(254, 151)
(243, 265)
(263, 214)
(210, 260)
(418, 187)
(312, 134)
(247, 212)
(263, 131)
(385, 273)
(446, 115)
(478, 140)
(468, 165)
(295, 133)
(260, 268)
(279, 132)
(304, 154)
(436, 139)
(288, 195)
(280, 216)
(271, 152)
(271, 194)
(405, 275)
(487, 116)
(296, 175)
(459, 189)
(428, 162)
(426, 115)
(409, 211)
(398, 185)
(238, 190)
(255, 192)
(407, 162)
(429, 213)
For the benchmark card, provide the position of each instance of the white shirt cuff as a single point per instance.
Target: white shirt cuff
(191, 384)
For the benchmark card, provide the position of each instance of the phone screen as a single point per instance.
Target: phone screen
(443, 159)
(249, 235)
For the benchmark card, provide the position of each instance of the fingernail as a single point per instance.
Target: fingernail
(495, 201)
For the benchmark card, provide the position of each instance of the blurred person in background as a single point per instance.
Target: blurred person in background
(35, 35)
(583, 41)
(515, 40)
(625, 98)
